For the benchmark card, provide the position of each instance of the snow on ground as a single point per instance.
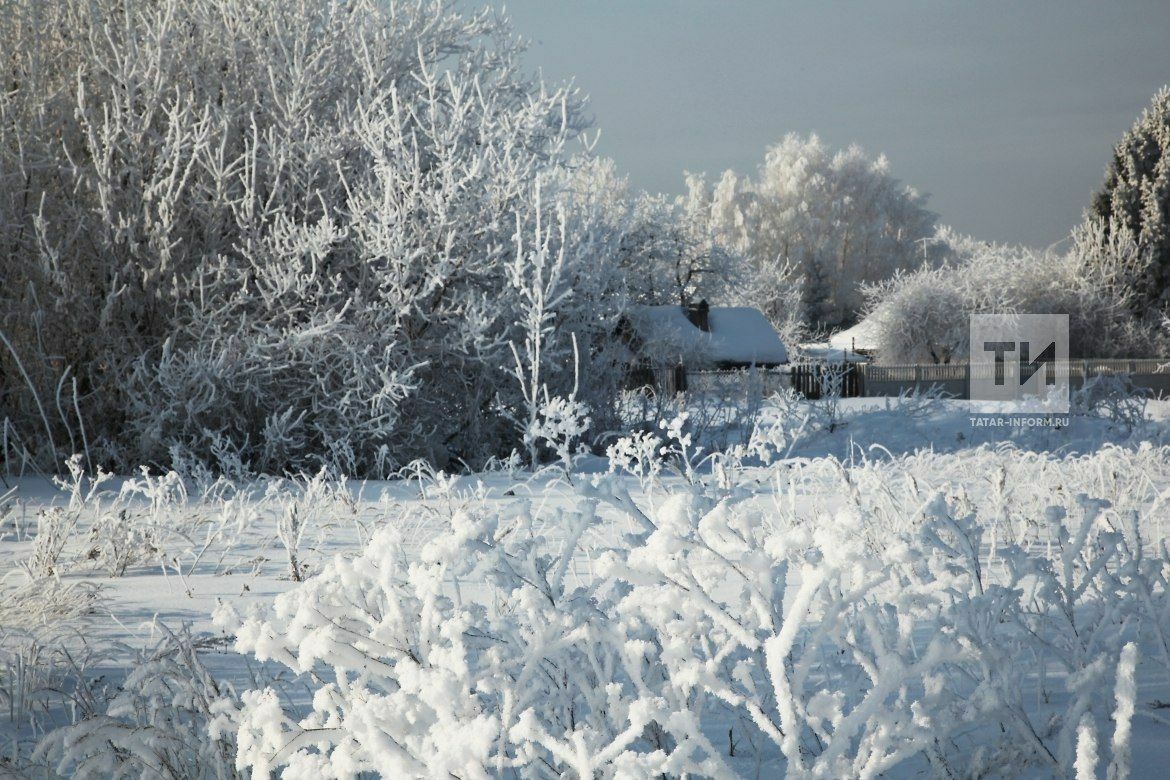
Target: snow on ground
(890, 590)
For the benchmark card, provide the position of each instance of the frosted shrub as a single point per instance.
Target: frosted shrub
(885, 650)
(273, 261)
(788, 419)
(532, 675)
(711, 583)
(560, 424)
(922, 316)
(1112, 398)
(161, 721)
(917, 402)
(955, 615)
(827, 410)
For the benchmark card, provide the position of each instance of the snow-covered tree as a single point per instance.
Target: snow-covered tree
(1136, 199)
(667, 249)
(923, 316)
(839, 217)
(730, 274)
(277, 232)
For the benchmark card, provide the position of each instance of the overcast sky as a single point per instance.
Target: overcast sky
(1004, 112)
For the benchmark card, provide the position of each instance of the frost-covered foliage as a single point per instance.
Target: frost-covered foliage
(789, 419)
(923, 316)
(277, 235)
(412, 664)
(834, 220)
(720, 408)
(964, 615)
(43, 657)
(146, 521)
(1112, 398)
(57, 525)
(1135, 200)
(1111, 281)
(159, 723)
(668, 252)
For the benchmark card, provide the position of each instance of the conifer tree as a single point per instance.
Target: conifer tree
(1136, 199)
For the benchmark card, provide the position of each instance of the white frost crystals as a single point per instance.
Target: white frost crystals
(707, 630)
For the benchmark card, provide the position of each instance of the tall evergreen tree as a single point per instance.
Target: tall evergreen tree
(1136, 198)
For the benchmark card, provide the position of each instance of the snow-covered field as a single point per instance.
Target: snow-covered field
(888, 590)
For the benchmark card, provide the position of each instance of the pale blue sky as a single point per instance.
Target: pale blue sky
(1005, 112)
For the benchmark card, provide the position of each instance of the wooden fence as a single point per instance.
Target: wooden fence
(855, 380)
(1152, 374)
(813, 380)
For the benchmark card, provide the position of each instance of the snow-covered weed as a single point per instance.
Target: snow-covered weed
(303, 507)
(917, 402)
(639, 454)
(1112, 398)
(160, 723)
(721, 407)
(559, 425)
(57, 525)
(118, 541)
(45, 659)
(786, 422)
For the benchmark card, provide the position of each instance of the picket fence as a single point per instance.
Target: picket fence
(854, 380)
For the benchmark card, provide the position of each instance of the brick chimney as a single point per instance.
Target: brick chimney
(699, 315)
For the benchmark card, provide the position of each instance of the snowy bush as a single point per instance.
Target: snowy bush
(960, 615)
(272, 237)
(1112, 398)
(721, 408)
(789, 418)
(923, 316)
(529, 685)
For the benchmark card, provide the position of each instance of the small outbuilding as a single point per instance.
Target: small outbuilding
(699, 337)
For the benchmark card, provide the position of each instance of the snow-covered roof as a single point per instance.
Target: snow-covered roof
(739, 335)
(863, 335)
